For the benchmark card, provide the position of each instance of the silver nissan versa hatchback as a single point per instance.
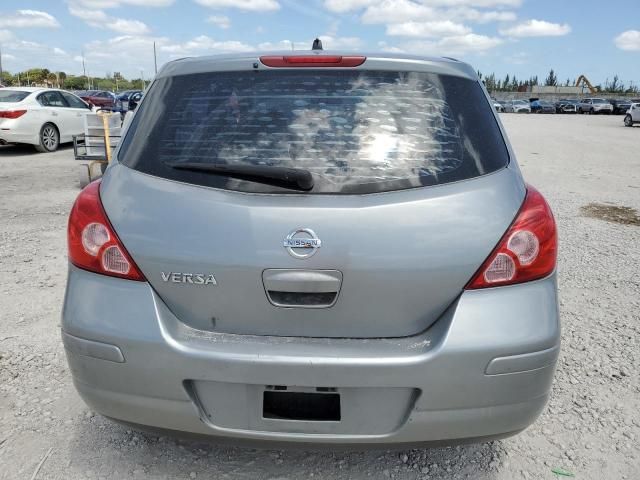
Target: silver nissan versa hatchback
(318, 248)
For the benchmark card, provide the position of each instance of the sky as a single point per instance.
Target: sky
(521, 37)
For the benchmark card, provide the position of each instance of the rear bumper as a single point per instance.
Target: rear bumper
(13, 134)
(484, 369)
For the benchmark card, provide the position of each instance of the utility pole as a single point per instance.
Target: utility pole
(155, 58)
(142, 78)
(84, 70)
(1, 75)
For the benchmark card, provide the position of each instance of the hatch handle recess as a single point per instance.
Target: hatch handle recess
(302, 288)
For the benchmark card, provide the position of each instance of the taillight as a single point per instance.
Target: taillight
(93, 243)
(527, 251)
(312, 60)
(12, 114)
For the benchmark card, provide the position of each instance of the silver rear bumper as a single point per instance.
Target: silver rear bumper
(483, 369)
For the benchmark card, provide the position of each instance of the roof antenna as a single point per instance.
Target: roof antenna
(317, 44)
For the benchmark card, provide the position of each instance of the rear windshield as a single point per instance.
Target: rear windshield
(356, 131)
(8, 96)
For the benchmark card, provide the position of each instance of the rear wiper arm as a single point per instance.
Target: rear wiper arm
(292, 178)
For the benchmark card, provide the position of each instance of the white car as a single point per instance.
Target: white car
(595, 105)
(517, 106)
(633, 115)
(43, 117)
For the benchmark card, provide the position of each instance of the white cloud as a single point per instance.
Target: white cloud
(5, 35)
(481, 16)
(470, 42)
(100, 4)
(427, 29)
(329, 42)
(99, 19)
(536, 28)
(28, 19)
(132, 27)
(453, 45)
(519, 58)
(252, 5)
(221, 21)
(342, 6)
(473, 3)
(629, 40)
(95, 18)
(25, 54)
(338, 43)
(281, 45)
(396, 11)
(204, 45)
(399, 11)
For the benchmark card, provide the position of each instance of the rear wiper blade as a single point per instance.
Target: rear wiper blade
(292, 178)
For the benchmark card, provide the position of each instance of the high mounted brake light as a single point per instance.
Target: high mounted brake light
(93, 243)
(312, 60)
(528, 249)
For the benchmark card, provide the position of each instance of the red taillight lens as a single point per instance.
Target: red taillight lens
(527, 251)
(312, 61)
(93, 243)
(12, 114)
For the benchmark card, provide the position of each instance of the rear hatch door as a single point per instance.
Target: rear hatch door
(411, 195)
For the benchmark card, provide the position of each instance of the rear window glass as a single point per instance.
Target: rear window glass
(356, 131)
(8, 96)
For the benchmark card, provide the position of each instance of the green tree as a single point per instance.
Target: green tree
(7, 79)
(52, 79)
(505, 82)
(551, 80)
(514, 84)
(615, 86)
(73, 82)
(490, 82)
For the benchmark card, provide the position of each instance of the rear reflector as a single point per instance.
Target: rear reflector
(312, 61)
(528, 249)
(93, 243)
(12, 114)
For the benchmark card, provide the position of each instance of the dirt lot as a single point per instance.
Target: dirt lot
(584, 165)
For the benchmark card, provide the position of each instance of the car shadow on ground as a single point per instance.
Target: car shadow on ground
(125, 452)
(29, 150)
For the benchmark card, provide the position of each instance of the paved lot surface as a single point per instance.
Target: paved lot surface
(591, 426)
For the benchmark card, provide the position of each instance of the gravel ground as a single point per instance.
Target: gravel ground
(590, 428)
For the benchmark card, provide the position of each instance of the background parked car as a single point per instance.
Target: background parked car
(567, 105)
(517, 106)
(542, 106)
(620, 106)
(42, 117)
(595, 105)
(498, 106)
(633, 116)
(100, 98)
(122, 101)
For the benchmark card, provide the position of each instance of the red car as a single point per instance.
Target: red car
(99, 98)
